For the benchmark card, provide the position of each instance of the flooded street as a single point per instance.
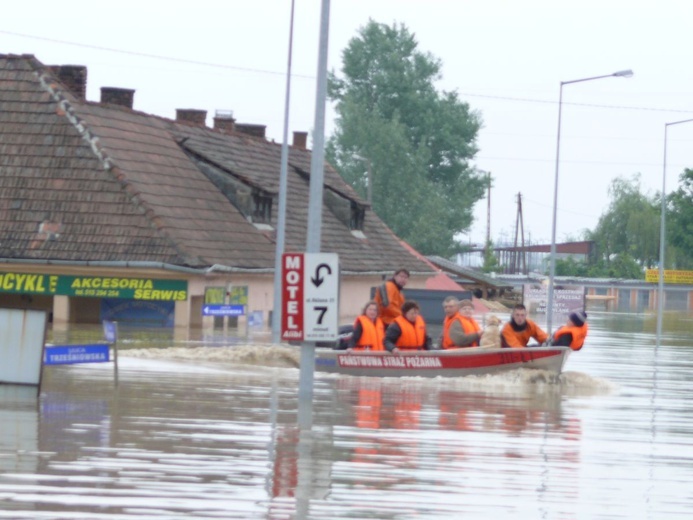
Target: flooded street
(195, 431)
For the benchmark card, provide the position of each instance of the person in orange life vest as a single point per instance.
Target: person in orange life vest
(573, 333)
(472, 330)
(369, 330)
(390, 297)
(459, 328)
(408, 331)
(519, 330)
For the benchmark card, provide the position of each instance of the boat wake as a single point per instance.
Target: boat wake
(280, 356)
(258, 355)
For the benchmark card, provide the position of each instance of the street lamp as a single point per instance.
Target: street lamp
(662, 235)
(369, 171)
(552, 271)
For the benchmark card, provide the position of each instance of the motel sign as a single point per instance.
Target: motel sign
(310, 296)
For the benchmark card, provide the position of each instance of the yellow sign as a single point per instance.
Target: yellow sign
(239, 295)
(94, 286)
(670, 276)
(215, 295)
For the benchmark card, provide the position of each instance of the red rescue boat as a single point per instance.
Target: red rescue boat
(447, 363)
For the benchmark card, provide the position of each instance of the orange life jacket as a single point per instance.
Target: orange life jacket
(389, 299)
(579, 334)
(449, 320)
(372, 334)
(519, 339)
(413, 334)
(470, 326)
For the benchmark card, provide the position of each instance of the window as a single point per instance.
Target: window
(262, 208)
(358, 214)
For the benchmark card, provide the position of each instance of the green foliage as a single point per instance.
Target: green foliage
(416, 140)
(627, 235)
(679, 227)
(570, 267)
(628, 231)
(490, 261)
(624, 266)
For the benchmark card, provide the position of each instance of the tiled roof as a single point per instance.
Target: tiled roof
(81, 181)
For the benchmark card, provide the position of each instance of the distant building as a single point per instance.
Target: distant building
(528, 258)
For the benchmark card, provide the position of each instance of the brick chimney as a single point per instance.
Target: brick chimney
(250, 129)
(74, 77)
(123, 97)
(300, 140)
(191, 116)
(224, 121)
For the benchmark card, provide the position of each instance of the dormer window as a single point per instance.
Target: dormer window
(262, 208)
(358, 213)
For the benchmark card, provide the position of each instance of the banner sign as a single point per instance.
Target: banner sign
(566, 298)
(71, 354)
(670, 276)
(238, 295)
(94, 286)
(215, 295)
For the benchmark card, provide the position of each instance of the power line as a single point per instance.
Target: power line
(592, 105)
(155, 56)
(612, 163)
(305, 76)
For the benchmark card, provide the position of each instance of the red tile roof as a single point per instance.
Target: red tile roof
(84, 181)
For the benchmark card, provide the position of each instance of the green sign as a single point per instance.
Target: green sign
(94, 286)
(215, 295)
(238, 295)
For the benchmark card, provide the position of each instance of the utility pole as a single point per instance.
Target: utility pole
(519, 256)
(488, 215)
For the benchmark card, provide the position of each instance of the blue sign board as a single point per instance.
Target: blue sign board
(71, 354)
(110, 331)
(223, 310)
(255, 320)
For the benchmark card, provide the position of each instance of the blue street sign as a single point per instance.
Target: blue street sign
(71, 354)
(223, 310)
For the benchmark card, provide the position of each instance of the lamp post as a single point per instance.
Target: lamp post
(281, 216)
(662, 233)
(369, 171)
(552, 259)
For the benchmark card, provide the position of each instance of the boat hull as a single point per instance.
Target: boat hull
(445, 363)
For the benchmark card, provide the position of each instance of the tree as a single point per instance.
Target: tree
(570, 267)
(627, 234)
(417, 140)
(680, 224)
(490, 261)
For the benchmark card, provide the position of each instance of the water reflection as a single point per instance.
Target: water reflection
(18, 428)
(195, 432)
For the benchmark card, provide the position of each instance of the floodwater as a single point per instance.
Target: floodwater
(197, 431)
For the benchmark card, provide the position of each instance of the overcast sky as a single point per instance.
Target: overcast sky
(505, 58)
